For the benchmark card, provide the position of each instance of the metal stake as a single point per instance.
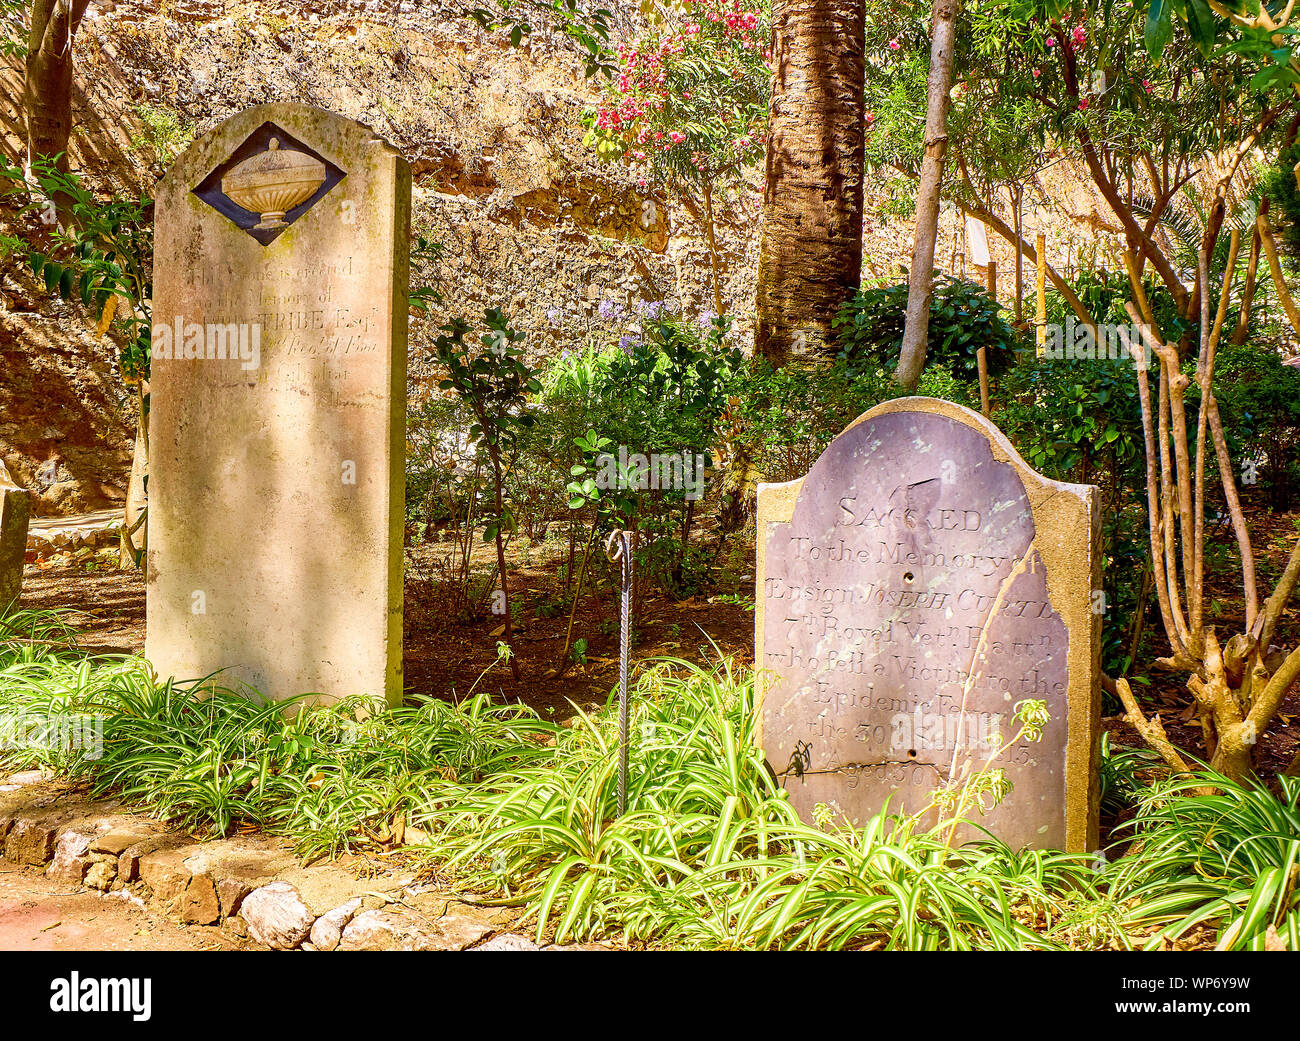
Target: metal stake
(618, 548)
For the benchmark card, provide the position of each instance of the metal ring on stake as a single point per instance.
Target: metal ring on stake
(618, 548)
(614, 545)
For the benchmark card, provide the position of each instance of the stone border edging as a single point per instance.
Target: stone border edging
(251, 886)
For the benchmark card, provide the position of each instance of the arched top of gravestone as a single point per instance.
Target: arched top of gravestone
(1036, 486)
(952, 451)
(266, 167)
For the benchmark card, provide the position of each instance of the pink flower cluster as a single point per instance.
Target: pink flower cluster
(649, 94)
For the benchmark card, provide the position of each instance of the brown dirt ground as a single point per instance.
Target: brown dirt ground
(444, 658)
(39, 915)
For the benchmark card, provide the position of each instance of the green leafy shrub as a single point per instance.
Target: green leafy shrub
(523, 812)
(1259, 399)
(1079, 420)
(1278, 183)
(1225, 859)
(963, 318)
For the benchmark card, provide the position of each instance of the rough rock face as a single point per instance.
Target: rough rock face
(525, 216)
(277, 917)
(66, 430)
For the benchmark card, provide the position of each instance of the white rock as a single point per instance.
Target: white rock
(328, 930)
(508, 942)
(70, 863)
(276, 916)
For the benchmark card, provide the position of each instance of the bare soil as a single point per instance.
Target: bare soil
(445, 657)
(39, 915)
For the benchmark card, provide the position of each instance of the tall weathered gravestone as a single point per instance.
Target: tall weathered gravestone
(277, 418)
(913, 589)
(15, 512)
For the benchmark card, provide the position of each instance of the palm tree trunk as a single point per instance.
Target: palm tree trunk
(810, 252)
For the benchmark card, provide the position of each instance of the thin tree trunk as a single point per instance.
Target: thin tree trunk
(47, 86)
(134, 546)
(1248, 291)
(713, 248)
(1018, 198)
(920, 282)
(810, 252)
(562, 665)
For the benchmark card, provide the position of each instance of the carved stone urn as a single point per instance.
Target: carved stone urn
(273, 182)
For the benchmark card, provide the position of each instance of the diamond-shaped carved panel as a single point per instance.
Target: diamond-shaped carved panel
(268, 182)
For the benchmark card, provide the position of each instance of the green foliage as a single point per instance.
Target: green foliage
(494, 383)
(710, 853)
(97, 250)
(1259, 399)
(660, 393)
(615, 506)
(788, 416)
(1278, 183)
(1226, 859)
(1079, 420)
(1121, 768)
(1228, 30)
(166, 133)
(963, 318)
(13, 31)
(584, 25)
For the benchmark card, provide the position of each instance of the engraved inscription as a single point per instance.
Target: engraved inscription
(906, 614)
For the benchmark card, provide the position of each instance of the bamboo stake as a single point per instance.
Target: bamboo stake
(1040, 317)
(981, 355)
(1279, 282)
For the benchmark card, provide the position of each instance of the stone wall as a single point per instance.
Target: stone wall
(526, 216)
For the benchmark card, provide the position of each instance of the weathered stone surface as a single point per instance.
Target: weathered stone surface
(231, 893)
(917, 586)
(456, 932)
(101, 874)
(276, 916)
(26, 777)
(117, 840)
(387, 931)
(167, 877)
(30, 842)
(128, 863)
(327, 930)
(324, 886)
(508, 942)
(15, 511)
(200, 905)
(302, 428)
(246, 856)
(70, 856)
